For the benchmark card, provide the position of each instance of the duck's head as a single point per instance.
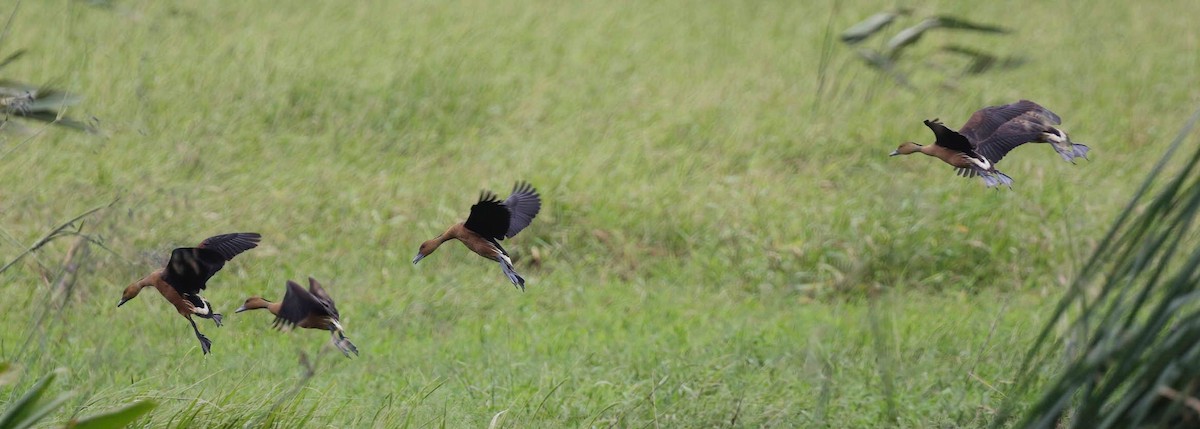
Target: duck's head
(130, 292)
(425, 249)
(252, 303)
(906, 148)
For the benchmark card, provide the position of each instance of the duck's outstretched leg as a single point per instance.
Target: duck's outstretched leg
(1003, 179)
(1075, 150)
(346, 346)
(995, 177)
(216, 318)
(988, 180)
(1066, 148)
(205, 344)
(506, 265)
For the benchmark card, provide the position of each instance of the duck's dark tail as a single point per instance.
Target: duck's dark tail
(205, 343)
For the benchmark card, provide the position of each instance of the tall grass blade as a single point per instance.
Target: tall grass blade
(495, 423)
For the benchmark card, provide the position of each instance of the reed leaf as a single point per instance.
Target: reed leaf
(868, 27)
(907, 37)
(118, 418)
(34, 406)
(44, 104)
(11, 57)
(953, 23)
(27, 410)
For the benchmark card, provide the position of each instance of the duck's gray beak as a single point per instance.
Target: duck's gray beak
(240, 309)
(122, 302)
(418, 258)
(894, 152)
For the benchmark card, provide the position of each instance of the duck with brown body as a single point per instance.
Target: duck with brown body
(490, 221)
(990, 134)
(310, 309)
(187, 273)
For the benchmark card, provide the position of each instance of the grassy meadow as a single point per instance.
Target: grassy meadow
(723, 242)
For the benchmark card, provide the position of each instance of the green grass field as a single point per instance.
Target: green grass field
(724, 241)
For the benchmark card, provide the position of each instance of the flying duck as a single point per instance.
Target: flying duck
(490, 221)
(990, 134)
(187, 273)
(312, 309)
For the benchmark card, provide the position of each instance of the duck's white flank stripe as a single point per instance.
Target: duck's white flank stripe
(1056, 137)
(982, 163)
(201, 310)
